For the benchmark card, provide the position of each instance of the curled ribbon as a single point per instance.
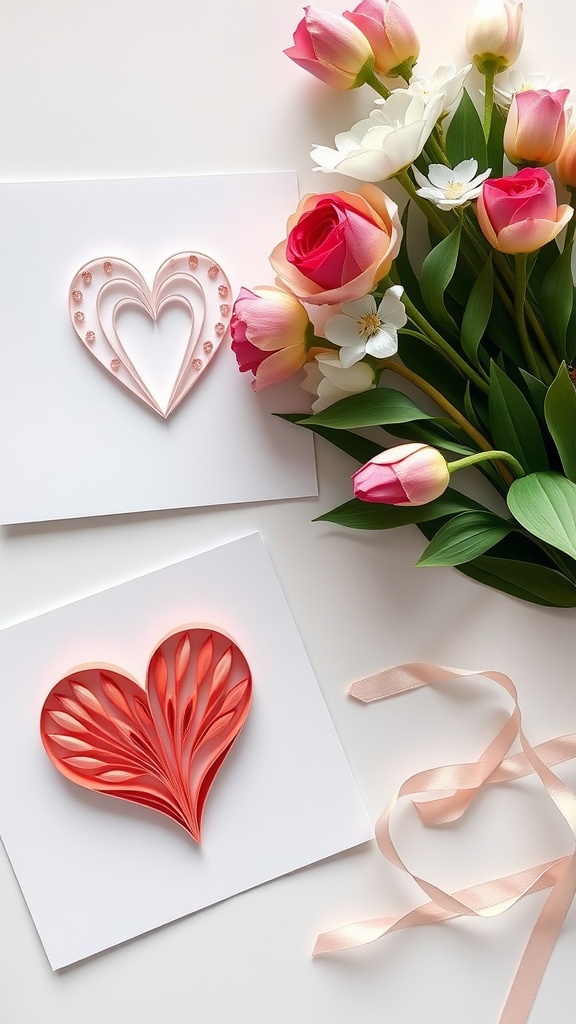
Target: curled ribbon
(486, 899)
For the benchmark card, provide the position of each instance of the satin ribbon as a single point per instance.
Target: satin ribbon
(486, 899)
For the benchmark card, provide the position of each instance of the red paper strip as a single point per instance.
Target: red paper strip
(497, 895)
(161, 747)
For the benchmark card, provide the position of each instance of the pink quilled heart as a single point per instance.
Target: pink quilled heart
(161, 747)
(101, 289)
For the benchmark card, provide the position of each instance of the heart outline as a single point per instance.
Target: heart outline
(191, 272)
(163, 746)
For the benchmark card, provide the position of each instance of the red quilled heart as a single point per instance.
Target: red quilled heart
(161, 747)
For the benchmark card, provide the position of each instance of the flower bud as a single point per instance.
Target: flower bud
(269, 331)
(566, 162)
(495, 32)
(409, 474)
(520, 213)
(536, 126)
(332, 49)
(390, 34)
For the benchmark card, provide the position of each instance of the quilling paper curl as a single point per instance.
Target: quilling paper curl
(103, 288)
(161, 747)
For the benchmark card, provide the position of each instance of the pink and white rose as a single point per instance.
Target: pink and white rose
(339, 245)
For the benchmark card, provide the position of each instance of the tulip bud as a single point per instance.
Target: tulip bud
(390, 34)
(566, 162)
(536, 126)
(520, 213)
(332, 49)
(409, 474)
(270, 331)
(494, 35)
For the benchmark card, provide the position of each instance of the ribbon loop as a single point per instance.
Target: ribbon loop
(486, 899)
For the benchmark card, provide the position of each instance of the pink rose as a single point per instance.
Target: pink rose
(520, 213)
(409, 474)
(332, 49)
(389, 33)
(536, 126)
(339, 245)
(269, 329)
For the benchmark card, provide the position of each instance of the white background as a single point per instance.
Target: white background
(121, 89)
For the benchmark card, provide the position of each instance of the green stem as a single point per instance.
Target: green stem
(453, 413)
(488, 100)
(378, 86)
(434, 149)
(531, 316)
(421, 322)
(519, 304)
(472, 460)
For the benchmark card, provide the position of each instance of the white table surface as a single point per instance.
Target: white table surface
(112, 88)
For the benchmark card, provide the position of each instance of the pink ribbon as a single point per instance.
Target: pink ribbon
(485, 899)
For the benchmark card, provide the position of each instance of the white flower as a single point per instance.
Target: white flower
(448, 188)
(327, 378)
(519, 82)
(384, 143)
(445, 80)
(362, 329)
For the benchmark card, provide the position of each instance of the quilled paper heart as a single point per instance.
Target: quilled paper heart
(105, 287)
(161, 747)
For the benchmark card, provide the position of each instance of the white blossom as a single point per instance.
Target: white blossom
(517, 81)
(365, 329)
(330, 381)
(445, 80)
(384, 143)
(447, 188)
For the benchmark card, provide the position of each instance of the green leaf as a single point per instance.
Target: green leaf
(465, 135)
(437, 272)
(502, 332)
(545, 505)
(513, 425)
(367, 515)
(536, 391)
(368, 409)
(560, 412)
(434, 368)
(465, 537)
(495, 154)
(359, 448)
(438, 433)
(477, 312)
(571, 335)
(545, 258)
(533, 583)
(557, 298)
(404, 272)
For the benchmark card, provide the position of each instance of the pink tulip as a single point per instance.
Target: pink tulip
(566, 162)
(495, 32)
(409, 474)
(269, 329)
(339, 245)
(390, 34)
(332, 49)
(536, 126)
(520, 214)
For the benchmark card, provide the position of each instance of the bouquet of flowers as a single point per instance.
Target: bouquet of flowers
(485, 327)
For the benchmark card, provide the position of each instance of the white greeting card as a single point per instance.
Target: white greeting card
(96, 870)
(120, 392)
